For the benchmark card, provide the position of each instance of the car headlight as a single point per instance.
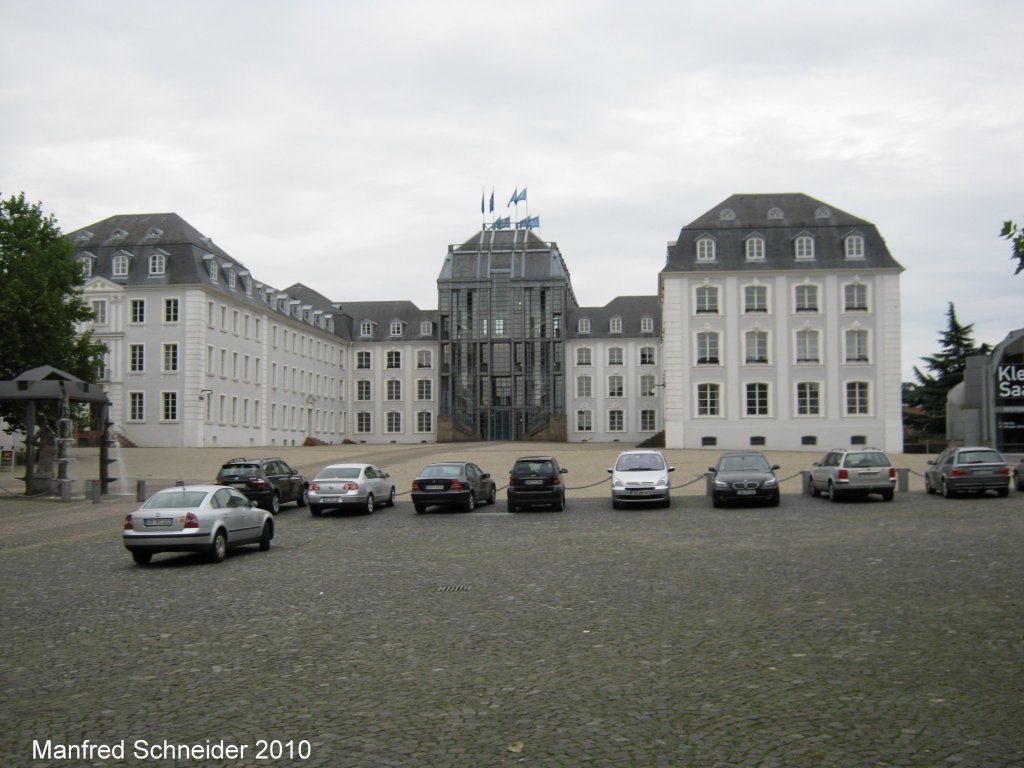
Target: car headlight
(721, 484)
(771, 482)
(617, 483)
(662, 481)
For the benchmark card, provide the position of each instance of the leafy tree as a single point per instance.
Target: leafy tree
(1015, 235)
(41, 307)
(945, 371)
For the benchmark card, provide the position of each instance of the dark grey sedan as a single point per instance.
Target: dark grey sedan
(452, 483)
(968, 469)
(744, 478)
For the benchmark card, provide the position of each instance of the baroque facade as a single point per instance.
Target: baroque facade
(775, 325)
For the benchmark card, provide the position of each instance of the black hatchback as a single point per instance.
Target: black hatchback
(268, 482)
(536, 480)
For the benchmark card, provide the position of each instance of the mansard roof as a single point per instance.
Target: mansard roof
(381, 314)
(631, 309)
(779, 219)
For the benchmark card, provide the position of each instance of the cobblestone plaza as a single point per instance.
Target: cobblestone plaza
(862, 633)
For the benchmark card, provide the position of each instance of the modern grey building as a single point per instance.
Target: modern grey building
(987, 407)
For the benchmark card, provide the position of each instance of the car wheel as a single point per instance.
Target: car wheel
(471, 502)
(716, 502)
(1002, 493)
(928, 485)
(814, 489)
(219, 548)
(513, 508)
(615, 504)
(493, 495)
(141, 557)
(316, 510)
(667, 502)
(775, 500)
(833, 495)
(369, 505)
(391, 497)
(947, 492)
(559, 504)
(888, 495)
(420, 508)
(303, 497)
(275, 504)
(266, 536)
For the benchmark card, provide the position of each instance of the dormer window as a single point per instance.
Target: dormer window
(727, 214)
(755, 248)
(329, 323)
(84, 236)
(153, 233)
(804, 247)
(119, 266)
(85, 264)
(158, 263)
(775, 213)
(615, 325)
(822, 212)
(211, 266)
(366, 329)
(397, 327)
(646, 324)
(231, 276)
(705, 249)
(854, 247)
(426, 328)
(307, 314)
(119, 234)
(246, 282)
(583, 326)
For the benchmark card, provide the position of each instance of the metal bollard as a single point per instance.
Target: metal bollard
(94, 492)
(806, 481)
(709, 479)
(140, 490)
(902, 479)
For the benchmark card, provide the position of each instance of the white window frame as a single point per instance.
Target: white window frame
(804, 400)
(756, 412)
(853, 247)
(801, 346)
(705, 248)
(706, 300)
(855, 297)
(803, 248)
(584, 420)
(858, 392)
(760, 341)
(754, 248)
(615, 325)
(856, 345)
(708, 399)
(584, 357)
(801, 295)
(755, 299)
(584, 387)
(616, 356)
(583, 326)
(706, 343)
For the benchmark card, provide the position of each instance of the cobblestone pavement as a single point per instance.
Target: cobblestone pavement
(862, 633)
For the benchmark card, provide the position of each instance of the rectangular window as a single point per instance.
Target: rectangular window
(584, 325)
(583, 356)
(394, 389)
(616, 422)
(855, 247)
(424, 421)
(394, 422)
(363, 390)
(855, 297)
(707, 348)
(136, 406)
(857, 403)
(366, 328)
(807, 347)
(138, 310)
(804, 247)
(708, 400)
(755, 249)
(426, 329)
(757, 399)
(394, 360)
(584, 421)
(99, 310)
(807, 298)
(584, 387)
(170, 310)
(707, 300)
(396, 328)
(755, 299)
(756, 346)
(648, 420)
(808, 398)
(363, 422)
(857, 346)
(424, 389)
(424, 359)
(170, 358)
(615, 356)
(646, 324)
(170, 406)
(615, 386)
(647, 356)
(615, 325)
(647, 385)
(363, 361)
(136, 358)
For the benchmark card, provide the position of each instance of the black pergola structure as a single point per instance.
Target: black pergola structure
(49, 385)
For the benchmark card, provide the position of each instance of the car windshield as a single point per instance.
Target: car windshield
(979, 457)
(867, 460)
(240, 470)
(533, 468)
(442, 470)
(339, 473)
(639, 462)
(741, 463)
(176, 500)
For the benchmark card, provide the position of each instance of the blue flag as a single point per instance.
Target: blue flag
(492, 200)
(529, 222)
(503, 223)
(515, 198)
(481, 201)
(522, 195)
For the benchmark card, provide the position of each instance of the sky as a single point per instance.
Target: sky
(345, 145)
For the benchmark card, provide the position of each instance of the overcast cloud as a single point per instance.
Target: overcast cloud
(345, 144)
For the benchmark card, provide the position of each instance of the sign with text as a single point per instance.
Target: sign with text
(1009, 384)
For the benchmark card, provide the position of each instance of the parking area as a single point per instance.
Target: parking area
(860, 633)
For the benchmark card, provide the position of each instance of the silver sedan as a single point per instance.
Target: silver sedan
(196, 518)
(350, 485)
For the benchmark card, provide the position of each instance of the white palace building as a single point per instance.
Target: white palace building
(776, 325)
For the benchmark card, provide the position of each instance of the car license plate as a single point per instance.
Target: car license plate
(329, 499)
(745, 493)
(869, 474)
(434, 487)
(158, 522)
(640, 492)
(534, 482)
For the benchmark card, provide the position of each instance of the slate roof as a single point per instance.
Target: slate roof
(779, 219)
(630, 308)
(381, 313)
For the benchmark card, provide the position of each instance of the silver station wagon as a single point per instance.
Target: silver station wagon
(968, 469)
(853, 472)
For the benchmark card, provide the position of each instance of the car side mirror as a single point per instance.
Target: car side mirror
(610, 471)
(774, 467)
(816, 464)
(711, 469)
(485, 475)
(562, 471)
(931, 462)
(671, 469)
